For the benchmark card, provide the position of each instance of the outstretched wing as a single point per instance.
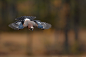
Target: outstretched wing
(42, 25)
(16, 25)
(45, 25)
(24, 17)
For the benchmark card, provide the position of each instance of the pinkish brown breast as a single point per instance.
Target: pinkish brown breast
(29, 25)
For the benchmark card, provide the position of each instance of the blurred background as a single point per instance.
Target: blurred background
(66, 37)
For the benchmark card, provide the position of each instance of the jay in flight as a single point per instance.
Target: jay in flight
(28, 21)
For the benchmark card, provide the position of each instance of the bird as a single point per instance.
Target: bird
(29, 22)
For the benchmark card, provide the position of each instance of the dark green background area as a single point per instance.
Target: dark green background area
(44, 10)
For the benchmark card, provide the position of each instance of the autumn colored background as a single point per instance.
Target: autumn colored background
(66, 37)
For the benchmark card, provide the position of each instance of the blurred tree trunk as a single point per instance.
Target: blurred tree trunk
(76, 18)
(48, 8)
(4, 12)
(38, 8)
(13, 10)
(67, 4)
(29, 43)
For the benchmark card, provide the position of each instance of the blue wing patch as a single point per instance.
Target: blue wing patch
(39, 24)
(16, 25)
(20, 26)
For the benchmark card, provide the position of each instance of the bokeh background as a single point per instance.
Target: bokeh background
(66, 37)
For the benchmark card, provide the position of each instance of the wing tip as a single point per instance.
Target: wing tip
(11, 26)
(46, 25)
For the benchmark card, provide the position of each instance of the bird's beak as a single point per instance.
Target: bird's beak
(31, 29)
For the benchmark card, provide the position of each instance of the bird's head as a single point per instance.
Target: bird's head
(31, 28)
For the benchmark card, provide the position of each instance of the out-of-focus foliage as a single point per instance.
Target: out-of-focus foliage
(51, 11)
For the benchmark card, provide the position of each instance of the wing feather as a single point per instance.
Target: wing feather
(15, 25)
(45, 25)
(24, 17)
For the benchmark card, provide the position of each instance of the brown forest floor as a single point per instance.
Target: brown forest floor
(38, 42)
